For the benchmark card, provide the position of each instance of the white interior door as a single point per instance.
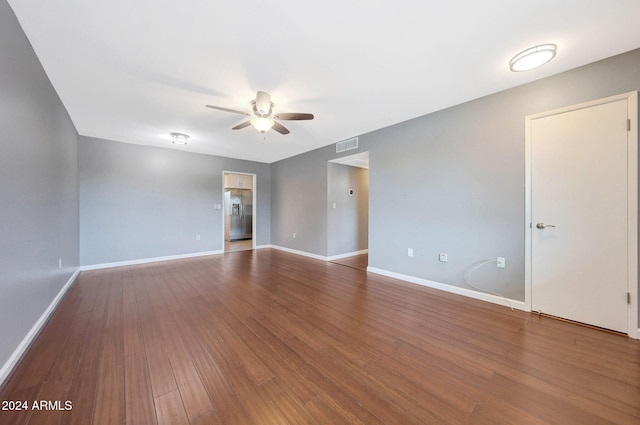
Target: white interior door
(579, 256)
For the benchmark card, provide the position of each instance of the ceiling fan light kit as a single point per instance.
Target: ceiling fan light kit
(262, 118)
(262, 124)
(533, 57)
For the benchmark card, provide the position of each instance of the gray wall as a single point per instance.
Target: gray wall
(139, 202)
(38, 188)
(451, 181)
(299, 203)
(348, 222)
(463, 173)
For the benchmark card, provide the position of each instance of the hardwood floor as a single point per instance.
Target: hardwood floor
(234, 246)
(359, 262)
(267, 337)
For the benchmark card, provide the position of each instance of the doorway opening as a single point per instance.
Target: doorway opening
(348, 210)
(239, 218)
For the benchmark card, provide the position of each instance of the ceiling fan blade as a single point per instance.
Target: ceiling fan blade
(293, 116)
(280, 128)
(242, 125)
(220, 108)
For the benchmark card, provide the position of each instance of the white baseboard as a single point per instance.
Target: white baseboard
(303, 253)
(520, 305)
(148, 260)
(26, 342)
(348, 254)
(202, 254)
(317, 256)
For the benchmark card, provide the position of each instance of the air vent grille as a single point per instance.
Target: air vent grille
(347, 145)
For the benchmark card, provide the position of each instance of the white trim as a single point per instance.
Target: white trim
(632, 214)
(157, 259)
(527, 212)
(316, 256)
(148, 260)
(33, 333)
(303, 253)
(347, 255)
(632, 201)
(452, 289)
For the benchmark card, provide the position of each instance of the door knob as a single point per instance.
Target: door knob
(542, 225)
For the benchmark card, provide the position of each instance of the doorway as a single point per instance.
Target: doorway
(238, 218)
(348, 210)
(581, 239)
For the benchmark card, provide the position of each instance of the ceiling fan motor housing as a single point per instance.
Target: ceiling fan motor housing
(262, 106)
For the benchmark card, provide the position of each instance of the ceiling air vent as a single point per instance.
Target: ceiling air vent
(347, 145)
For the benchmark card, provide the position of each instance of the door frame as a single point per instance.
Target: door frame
(632, 201)
(254, 191)
(357, 160)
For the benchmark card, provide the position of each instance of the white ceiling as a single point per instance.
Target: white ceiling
(135, 70)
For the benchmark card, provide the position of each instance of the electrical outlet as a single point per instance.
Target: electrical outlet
(59, 263)
(197, 237)
(409, 252)
(442, 257)
(294, 235)
(501, 263)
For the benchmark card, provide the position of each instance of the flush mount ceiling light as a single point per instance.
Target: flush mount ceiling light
(179, 138)
(533, 57)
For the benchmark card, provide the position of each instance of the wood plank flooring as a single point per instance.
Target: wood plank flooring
(268, 337)
(359, 262)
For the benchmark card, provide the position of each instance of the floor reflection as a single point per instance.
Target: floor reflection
(238, 245)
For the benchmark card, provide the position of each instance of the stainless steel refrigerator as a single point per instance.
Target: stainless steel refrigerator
(238, 214)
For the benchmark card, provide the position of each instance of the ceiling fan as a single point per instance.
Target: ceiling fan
(262, 120)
